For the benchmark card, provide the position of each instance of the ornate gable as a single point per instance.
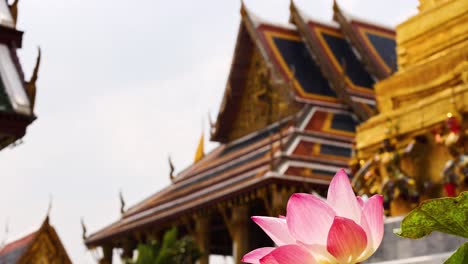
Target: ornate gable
(260, 104)
(41, 246)
(253, 98)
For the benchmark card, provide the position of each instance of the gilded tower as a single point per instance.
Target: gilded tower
(416, 147)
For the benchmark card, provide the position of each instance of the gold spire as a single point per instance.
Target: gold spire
(31, 84)
(200, 153)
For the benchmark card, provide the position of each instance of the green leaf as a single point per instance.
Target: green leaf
(446, 215)
(170, 250)
(460, 256)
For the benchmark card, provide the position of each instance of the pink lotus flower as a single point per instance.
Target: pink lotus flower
(342, 229)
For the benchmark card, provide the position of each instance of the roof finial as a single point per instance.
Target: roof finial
(211, 123)
(172, 169)
(244, 10)
(336, 7)
(292, 10)
(84, 231)
(122, 202)
(31, 84)
(14, 10)
(49, 208)
(292, 5)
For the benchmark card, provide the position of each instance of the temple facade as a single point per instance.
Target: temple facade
(294, 96)
(416, 147)
(41, 246)
(17, 95)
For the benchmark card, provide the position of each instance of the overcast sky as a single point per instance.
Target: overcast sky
(123, 84)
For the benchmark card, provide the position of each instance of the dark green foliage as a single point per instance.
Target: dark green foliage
(460, 256)
(446, 215)
(171, 250)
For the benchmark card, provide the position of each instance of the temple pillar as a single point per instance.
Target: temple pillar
(107, 255)
(275, 202)
(202, 236)
(128, 248)
(239, 233)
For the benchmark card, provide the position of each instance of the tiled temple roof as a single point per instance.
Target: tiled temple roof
(13, 251)
(338, 63)
(374, 43)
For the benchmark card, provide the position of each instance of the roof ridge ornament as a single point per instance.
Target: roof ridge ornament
(31, 84)
(49, 207)
(122, 202)
(172, 169)
(211, 124)
(84, 230)
(336, 7)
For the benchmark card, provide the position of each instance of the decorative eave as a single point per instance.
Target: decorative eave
(11, 36)
(231, 172)
(219, 160)
(128, 226)
(13, 127)
(337, 81)
(372, 61)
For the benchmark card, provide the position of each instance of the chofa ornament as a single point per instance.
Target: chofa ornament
(341, 229)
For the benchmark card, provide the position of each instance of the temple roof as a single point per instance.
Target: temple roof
(17, 95)
(310, 151)
(338, 62)
(13, 251)
(287, 58)
(374, 43)
(26, 248)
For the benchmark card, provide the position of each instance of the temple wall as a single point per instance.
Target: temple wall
(433, 248)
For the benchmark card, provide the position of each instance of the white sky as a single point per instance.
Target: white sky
(122, 84)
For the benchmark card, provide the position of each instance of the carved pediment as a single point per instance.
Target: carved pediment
(261, 103)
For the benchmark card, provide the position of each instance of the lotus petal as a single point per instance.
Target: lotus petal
(309, 218)
(275, 228)
(346, 240)
(289, 254)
